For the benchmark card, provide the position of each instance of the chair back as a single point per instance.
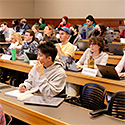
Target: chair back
(117, 105)
(92, 96)
(8, 119)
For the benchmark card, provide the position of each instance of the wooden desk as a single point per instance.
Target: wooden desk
(4, 44)
(114, 60)
(41, 115)
(72, 77)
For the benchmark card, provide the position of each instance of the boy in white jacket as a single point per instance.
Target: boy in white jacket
(48, 75)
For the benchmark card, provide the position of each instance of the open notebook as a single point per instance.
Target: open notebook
(21, 96)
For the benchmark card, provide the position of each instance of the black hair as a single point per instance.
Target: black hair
(90, 17)
(75, 27)
(49, 49)
(16, 22)
(5, 23)
(103, 29)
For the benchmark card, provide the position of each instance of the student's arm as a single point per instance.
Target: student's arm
(69, 52)
(120, 65)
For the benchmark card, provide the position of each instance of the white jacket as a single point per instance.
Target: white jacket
(120, 65)
(50, 84)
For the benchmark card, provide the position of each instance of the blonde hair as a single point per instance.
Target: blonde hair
(18, 38)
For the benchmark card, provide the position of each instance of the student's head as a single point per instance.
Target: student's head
(16, 37)
(64, 19)
(14, 23)
(64, 33)
(23, 22)
(96, 44)
(48, 30)
(101, 28)
(4, 26)
(89, 20)
(46, 53)
(35, 28)
(29, 35)
(41, 20)
(74, 29)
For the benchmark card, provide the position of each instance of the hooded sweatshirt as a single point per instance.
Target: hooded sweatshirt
(50, 84)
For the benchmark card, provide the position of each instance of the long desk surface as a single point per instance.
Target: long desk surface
(72, 77)
(63, 115)
(114, 60)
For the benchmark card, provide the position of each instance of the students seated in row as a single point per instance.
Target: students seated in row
(29, 43)
(16, 43)
(74, 35)
(41, 23)
(122, 33)
(100, 30)
(2, 117)
(48, 74)
(64, 22)
(38, 35)
(121, 67)
(16, 26)
(87, 30)
(65, 48)
(49, 34)
(7, 31)
(92, 18)
(24, 26)
(96, 51)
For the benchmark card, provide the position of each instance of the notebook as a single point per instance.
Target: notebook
(44, 101)
(109, 72)
(116, 49)
(31, 56)
(70, 64)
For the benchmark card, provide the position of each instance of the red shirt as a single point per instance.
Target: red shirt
(66, 25)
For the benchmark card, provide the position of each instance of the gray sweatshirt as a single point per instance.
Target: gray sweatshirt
(50, 84)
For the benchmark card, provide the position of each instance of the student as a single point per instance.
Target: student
(87, 30)
(92, 18)
(65, 48)
(100, 30)
(16, 43)
(122, 33)
(16, 26)
(2, 117)
(75, 37)
(6, 31)
(121, 66)
(96, 51)
(48, 74)
(24, 26)
(64, 22)
(29, 43)
(41, 23)
(38, 35)
(49, 34)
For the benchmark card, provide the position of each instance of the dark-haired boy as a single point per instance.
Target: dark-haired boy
(48, 75)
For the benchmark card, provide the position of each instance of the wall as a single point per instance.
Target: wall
(16, 9)
(79, 8)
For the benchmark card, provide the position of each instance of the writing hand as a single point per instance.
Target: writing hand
(22, 88)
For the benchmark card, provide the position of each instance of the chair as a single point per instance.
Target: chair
(92, 96)
(116, 107)
(8, 119)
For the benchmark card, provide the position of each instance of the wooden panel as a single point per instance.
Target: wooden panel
(113, 23)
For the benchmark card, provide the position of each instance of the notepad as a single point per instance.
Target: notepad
(19, 95)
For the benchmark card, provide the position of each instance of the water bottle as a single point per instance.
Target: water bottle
(91, 63)
(26, 59)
